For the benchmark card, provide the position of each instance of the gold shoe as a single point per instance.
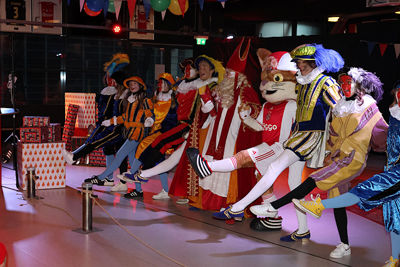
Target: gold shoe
(392, 262)
(313, 207)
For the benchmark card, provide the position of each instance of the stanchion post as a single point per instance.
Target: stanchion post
(87, 207)
(31, 185)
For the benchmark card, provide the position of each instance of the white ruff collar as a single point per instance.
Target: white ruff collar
(109, 90)
(132, 98)
(306, 79)
(164, 96)
(395, 112)
(345, 107)
(185, 87)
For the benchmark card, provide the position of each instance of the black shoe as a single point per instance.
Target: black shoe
(96, 181)
(266, 224)
(134, 194)
(198, 163)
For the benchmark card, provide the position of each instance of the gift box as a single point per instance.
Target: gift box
(54, 132)
(69, 125)
(35, 121)
(48, 162)
(34, 134)
(97, 158)
(87, 108)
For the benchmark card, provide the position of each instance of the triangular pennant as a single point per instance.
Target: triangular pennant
(69, 2)
(223, 4)
(117, 5)
(371, 46)
(383, 47)
(182, 4)
(397, 50)
(81, 3)
(163, 14)
(201, 3)
(147, 7)
(111, 7)
(131, 7)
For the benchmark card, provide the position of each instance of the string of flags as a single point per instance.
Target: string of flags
(176, 7)
(382, 47)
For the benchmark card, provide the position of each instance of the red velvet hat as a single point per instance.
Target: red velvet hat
(238, 62)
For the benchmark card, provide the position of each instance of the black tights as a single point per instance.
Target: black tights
(304, 189)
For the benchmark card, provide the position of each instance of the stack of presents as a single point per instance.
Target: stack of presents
(41, 142)
(80, 116)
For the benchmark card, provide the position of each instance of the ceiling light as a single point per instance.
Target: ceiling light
(333, 19)
(397, 12)
(229, 37)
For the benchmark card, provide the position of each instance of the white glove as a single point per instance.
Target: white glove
(106, 123)
(148, 122)
(207, 107)
(245, 113)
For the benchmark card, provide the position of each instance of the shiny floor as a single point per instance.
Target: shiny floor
(45, 232)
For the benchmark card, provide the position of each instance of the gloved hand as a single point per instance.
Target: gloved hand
(148, 122)
(245, 113)
(106, 123)
(207, 107)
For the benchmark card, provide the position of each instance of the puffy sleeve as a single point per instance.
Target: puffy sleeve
(331, 94)
(379, 136)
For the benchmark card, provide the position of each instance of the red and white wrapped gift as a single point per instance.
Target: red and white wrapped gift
(48, 162)
(34, 134)
(54, 132)
(69, 125)
(97, 158)
(87, 108)
(35, 121)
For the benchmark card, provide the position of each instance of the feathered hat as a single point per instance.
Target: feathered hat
(238, 62)
(135, 79)
(368, 81)
(219, 70)
(326, 59)
(117, 62)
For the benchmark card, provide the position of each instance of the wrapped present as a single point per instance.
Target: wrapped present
(35, 121)
(69, 125)
(87, 108)
(54, 132)
(48, 162)
(97, 158)
(34, 134)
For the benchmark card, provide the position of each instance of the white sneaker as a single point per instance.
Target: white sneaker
(68, 156)
(120, 187)
(340, 251)
(264, 210)
(161, 195)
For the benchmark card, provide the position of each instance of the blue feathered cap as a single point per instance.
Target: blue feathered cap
(327, 59)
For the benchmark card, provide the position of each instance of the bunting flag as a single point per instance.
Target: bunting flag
(131, 7)
(81, 3)
(223, 4)
(147, 7)
(201, 3)
(397, 49)
(117, 5)
(163, 14)
(371, 46)
(382, 48)
(182, 4)
(69, 2)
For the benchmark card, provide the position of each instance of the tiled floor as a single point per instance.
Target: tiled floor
(41, 232)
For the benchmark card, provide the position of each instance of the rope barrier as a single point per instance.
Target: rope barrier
(134, 236)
